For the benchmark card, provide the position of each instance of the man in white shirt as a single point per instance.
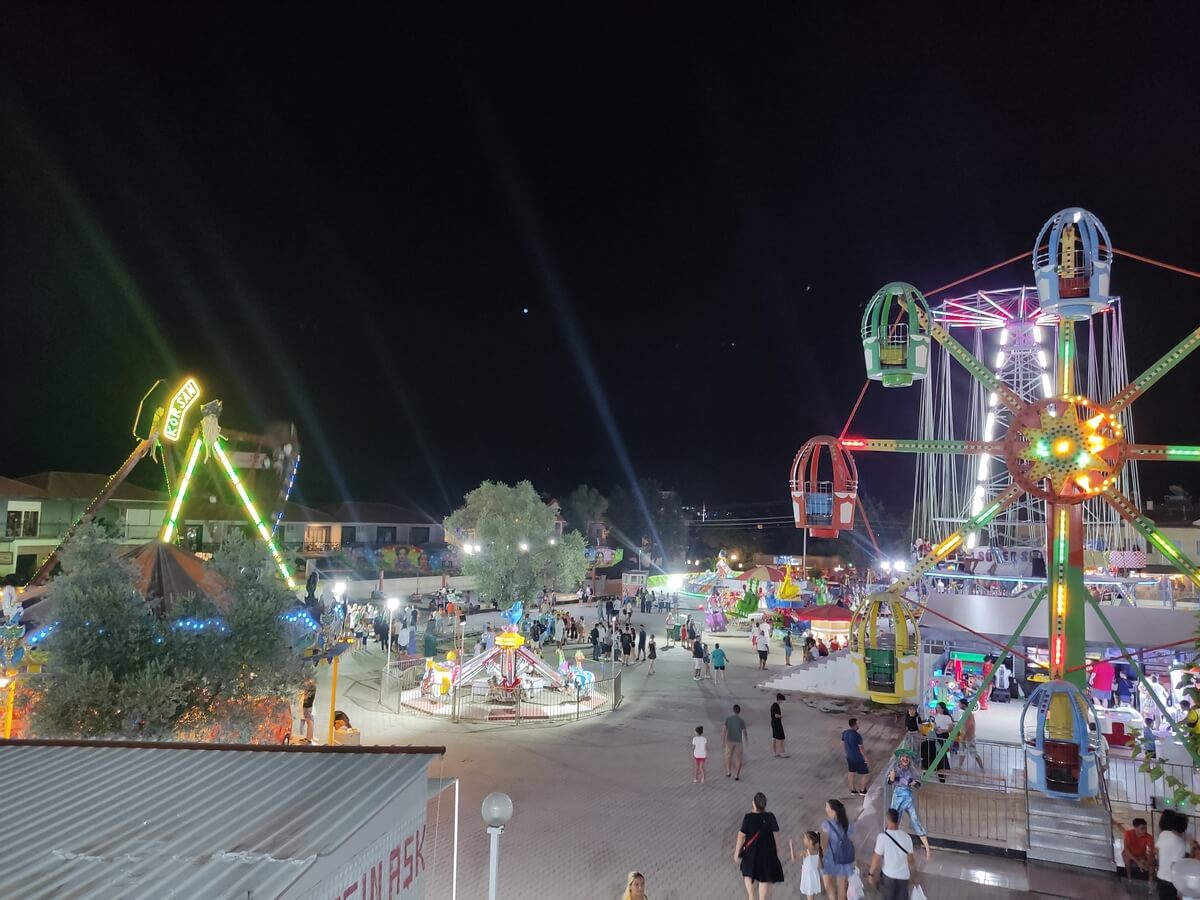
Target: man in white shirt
(894, 853)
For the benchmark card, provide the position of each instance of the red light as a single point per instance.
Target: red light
(854, 442)
(1056, 663)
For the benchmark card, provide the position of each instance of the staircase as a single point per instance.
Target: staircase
(833, 675)
(1070, 832)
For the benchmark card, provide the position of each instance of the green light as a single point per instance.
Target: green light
(1083, 460)
(1186, 452)
(1042, 449)
(253, 513)
(169, 528)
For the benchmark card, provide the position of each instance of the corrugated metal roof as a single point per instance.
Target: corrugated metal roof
(86, 486)
(158, 821)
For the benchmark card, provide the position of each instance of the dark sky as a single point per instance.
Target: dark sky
(342, 220)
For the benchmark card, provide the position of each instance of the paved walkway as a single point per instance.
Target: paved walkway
(598, 798)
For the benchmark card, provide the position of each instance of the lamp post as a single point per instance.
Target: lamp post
(497, 810)
(393, 604)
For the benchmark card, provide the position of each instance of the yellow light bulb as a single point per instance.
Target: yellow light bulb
(1062, 446)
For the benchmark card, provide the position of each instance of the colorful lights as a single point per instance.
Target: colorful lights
(1183, 452)
(185, 397)
(252, 512)
(1062, 447)
(854, 443)
(169, 529)
(946, 546)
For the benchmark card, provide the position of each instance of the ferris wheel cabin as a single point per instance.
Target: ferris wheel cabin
(824, 494)
(895, 335)
(1072, 264)
(1062, 742)
(884, 646)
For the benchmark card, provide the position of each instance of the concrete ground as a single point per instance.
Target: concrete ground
(598, 798)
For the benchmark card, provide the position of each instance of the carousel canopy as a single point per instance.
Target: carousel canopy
(165, 573)
(831, 613)
(762, 573)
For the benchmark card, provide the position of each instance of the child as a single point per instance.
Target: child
(810, 872)
(699, 752)
(707, 662)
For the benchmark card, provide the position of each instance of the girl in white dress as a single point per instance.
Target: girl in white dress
(810, 871)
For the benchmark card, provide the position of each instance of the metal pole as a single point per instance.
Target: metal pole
(804, 558)
(8, 707)
(986, 685)
(332, 700)
(494, 831)
(387, 666)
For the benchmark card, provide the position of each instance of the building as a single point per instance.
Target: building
(129, 819)
(38, 510)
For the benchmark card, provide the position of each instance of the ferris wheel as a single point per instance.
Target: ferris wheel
(1065, 448)
(1010, 331)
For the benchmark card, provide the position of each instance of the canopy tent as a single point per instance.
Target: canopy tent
(165, 573)
(762, 573)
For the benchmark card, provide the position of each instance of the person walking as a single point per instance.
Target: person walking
(906, 778)
(697, 659)
(856, 758)
(651, 654)
(810, 869)
(641, 645)
(787, 648)
(763, 646)
(594, 637)
(755, 852)
(626, 646)
(894, 855)
(837, 850)
(966, 737)
(734, 734)
(670, 625)
(699, 753)
(635, 887)
(1171, 848)
(718, 663)
(777, 735)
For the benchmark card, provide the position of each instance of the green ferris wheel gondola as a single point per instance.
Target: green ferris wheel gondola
(896, 335)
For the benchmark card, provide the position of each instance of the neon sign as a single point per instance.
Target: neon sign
(188, 394)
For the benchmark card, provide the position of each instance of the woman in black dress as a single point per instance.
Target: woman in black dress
(777, 735)
(755, 850)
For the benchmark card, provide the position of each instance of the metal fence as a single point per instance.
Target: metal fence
(976, 795)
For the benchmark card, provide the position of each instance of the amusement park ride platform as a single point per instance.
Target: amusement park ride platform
(1063, 449)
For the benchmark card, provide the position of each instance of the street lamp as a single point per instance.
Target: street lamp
(393, 604)
(524, 546)
(497, 810)
(553, 542)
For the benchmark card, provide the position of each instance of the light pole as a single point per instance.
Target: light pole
(497, 810)
(393, 604)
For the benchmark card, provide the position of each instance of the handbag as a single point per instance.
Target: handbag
(746, 846)
(855, 889)
(918, 892)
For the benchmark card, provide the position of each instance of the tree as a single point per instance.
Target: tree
(583, 506)
(520, 550)
(117, 671)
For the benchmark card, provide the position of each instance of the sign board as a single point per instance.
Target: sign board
(188, 394)
(393, 868)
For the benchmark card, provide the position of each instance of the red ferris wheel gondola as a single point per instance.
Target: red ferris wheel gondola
(824, 494)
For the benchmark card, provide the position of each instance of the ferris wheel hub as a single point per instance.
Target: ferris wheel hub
(1065, 449)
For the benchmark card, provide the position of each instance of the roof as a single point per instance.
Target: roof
(85, 486)
(297, 512)
(11, 487)
(387, 513)
(123, 819)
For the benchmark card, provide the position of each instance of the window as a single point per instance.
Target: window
(385, 534)
(22, 523)
(418, 534)
(349, 535)
(317, 536)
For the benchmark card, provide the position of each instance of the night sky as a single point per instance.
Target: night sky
(567, 246)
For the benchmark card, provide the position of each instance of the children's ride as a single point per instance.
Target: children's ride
(1063, 449)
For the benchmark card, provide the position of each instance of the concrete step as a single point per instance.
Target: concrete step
(1068, 856)
(1051, 825)
(1098, 845)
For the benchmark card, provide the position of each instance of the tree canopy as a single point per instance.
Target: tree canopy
(520, 550)
(583, 506)
(116, 670)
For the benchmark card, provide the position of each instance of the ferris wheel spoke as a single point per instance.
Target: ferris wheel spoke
(874, 445)
(998, 504)
(1131, 514)
(1147, 379)
(1163, 452)
(978, 370)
